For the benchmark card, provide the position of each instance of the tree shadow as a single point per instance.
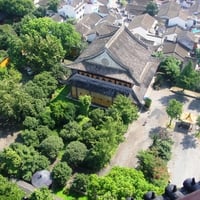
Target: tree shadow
(180, 129)
(189, 141)
(162, 132)
(178, 97)
(194, 105)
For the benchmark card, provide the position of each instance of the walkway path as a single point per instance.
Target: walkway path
(137, 136)
(185, 160)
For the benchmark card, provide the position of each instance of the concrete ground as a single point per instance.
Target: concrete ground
(185, 160)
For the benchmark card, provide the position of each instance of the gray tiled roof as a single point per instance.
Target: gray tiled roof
(105, 28)
(103, 9)
(134, 62)
(145, 21)
(187, 39)
(135, 9)
(170, 9)
(87, 23)
(173, 30)
(103, 71)
(175, 49)
(124, 48)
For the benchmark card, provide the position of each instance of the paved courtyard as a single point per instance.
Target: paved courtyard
(185, 160)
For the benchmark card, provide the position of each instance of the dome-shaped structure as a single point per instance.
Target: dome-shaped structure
(191, 185)
(149, 195)
(152, 196)
(41, 179)
(172, 192)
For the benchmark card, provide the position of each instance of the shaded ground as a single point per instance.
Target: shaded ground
(185, 160)
(137, 136)
(8, 135)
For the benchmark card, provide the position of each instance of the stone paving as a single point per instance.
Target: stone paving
(185, 160)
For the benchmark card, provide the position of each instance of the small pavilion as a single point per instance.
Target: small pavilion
(188, 120)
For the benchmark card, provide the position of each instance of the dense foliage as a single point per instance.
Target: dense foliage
(170, 66)
(75, 153)
(185, 76)
(61, 174)
(41, 194)
(21, 161)
(120, 183)
(153, 162)
(80, 183)
(65, 32)
(174, 109)
(9, 190)
(51, 146)
(17, 8)
(152, 8)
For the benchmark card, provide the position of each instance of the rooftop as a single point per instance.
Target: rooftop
(145, 21)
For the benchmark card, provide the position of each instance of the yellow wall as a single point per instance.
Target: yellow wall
(97, 98)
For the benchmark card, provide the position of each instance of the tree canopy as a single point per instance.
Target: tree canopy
(61, 174)
(75, 153)
(152, 8)
(21, 161)
(174, 109)
(41, 194)
(9, 190)
(171, 68)
(120, 183)
(16, 8)
(51, 146)
(125, 109)
(189, 78)
(70, 39)
(33, 51)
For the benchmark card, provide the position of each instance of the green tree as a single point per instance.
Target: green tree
(152, 8)
(61, 174)
(53, 4)
(51, 146)
(174, 110)
(40, 12)
(37, 54)
(30, 122)
(171, 68)
(46, 118)
(162, 144)
(21, 161)
(120, 183)
(43, 132)
(85, 101)
(153, 168)
(9, 190)
(97, 117)
(62, 112)
(71, 131)
(6, 33)
(30, 138)
(80, 183)
(75, 153)
(41, 194)
(10, 162)
(189, 78)
(17, 8)
(70, 39)
(125, 109)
